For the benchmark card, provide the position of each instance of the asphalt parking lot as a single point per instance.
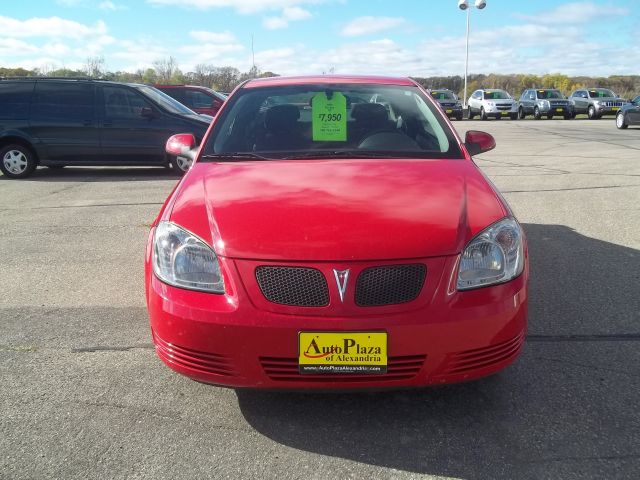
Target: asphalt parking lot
(82, 394)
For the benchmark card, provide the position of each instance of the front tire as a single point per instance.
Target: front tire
(536, 113)
(459, 116)
(180, 165)
(17, 161)
(521, 114)
(621, 122)
(591, 113)
(483, 114)
(513, 116)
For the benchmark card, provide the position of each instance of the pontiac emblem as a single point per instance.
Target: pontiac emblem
(342, 277)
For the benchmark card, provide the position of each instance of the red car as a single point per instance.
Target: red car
(199, 99)
(334, 232)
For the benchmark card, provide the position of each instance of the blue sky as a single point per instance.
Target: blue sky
(400, 37)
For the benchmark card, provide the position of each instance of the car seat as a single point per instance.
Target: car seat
(282, 129)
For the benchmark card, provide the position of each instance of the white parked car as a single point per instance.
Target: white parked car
(492, 103)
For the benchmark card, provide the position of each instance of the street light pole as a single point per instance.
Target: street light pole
(466, 62)
(465, 5)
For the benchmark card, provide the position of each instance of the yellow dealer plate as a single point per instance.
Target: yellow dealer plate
(558, 109)
(342, 352)
(615, 109)
(449, 110)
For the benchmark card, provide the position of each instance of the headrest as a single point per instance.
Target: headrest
(281, 117)
(370, 113)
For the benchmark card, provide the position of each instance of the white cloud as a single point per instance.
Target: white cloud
(9, 47)
(109, 6)
(49, 27)
(289, 14)
(575, 13)
(212, 37)
(241, 6)
(368, 25)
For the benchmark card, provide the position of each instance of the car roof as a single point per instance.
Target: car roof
(69, 80)
(328, 79)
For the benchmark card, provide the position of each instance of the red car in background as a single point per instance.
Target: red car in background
(197, 98)
(334, 232)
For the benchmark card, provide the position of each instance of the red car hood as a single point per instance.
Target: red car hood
(328, 210)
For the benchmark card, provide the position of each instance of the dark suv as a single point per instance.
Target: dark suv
(58, 122)
(198, 99)
(544, 101)
(449, 102)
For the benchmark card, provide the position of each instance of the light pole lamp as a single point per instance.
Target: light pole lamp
(466, 5)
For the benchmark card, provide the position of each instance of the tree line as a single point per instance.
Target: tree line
(627, 86)
(226, 78)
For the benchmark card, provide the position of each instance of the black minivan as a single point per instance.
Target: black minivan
(81, 122)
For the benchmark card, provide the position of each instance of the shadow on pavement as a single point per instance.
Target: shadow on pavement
(98, 174)
(566, 409)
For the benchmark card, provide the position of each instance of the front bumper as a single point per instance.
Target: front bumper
(606, 110)
(501, 111)
(452, 110)
(443, 337)
(555, 109)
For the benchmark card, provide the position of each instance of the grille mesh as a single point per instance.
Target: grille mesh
(389, 285)
(299, 286)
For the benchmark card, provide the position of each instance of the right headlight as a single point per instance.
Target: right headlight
(183, 260)
(495, 255)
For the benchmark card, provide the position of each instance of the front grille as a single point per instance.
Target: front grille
(559, 104)
(389, 285)
(612, 104)
(503, 107)
(299, 286)
(286, 370)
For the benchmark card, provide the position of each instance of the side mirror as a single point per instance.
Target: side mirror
(182, 145)
(478, 142)
(148, 112)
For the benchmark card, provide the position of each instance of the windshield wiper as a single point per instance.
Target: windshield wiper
(353, 154)
(235, 156)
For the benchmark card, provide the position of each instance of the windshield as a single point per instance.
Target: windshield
(165, 100)
(331, 120)
(443, 95)
(549, 94)
(496, 95)
(601, 93)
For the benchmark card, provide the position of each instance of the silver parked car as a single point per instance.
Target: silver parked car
(544, 101)
(492, 103)
(595, 102)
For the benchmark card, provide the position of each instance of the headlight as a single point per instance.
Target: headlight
(495, 255)
(545, 103)
(183, 260)
(491, 104)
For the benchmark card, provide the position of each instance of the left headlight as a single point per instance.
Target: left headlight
(495, 255)
(183, 260)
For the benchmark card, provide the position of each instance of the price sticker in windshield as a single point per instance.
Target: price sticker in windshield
(329, 117)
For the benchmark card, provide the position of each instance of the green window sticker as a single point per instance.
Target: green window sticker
(329, 117)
